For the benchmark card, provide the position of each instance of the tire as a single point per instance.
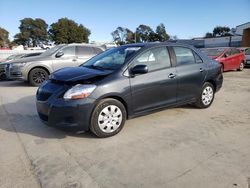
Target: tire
(241, 66)
(37, 76)
(222, 68)
(206, 96)
(104, 123)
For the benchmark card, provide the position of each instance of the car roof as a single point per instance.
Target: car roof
(152, 44)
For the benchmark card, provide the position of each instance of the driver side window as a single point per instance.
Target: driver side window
(68, 51)
(156, 58)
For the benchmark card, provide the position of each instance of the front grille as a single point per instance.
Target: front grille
(43, 96)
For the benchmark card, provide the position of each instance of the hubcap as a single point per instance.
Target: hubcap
(110, 119)
(207, 95)
(241, 66)
(39, 77)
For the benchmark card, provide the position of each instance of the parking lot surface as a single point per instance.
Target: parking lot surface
(178, 147)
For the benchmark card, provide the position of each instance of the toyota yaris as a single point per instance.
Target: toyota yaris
(125, 82)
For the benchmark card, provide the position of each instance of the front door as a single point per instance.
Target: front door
(68, 59)
(157, 87)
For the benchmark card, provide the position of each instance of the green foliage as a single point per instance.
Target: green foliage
(143, 33)
(123, 35)
(161, 32)
(67, 31)
(219, 31)
(209, 35)
(4, 37)
(32, 32)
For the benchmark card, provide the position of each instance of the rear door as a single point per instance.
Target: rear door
(236, 58)
(155, 88)
(191, 73)
(84, 53)
(68, 59)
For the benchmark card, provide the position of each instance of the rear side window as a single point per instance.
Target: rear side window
(84, 51)
(68, 51)
(235, 51)
(157, 58)
(97, 50)
(197, 58)
(184, 56)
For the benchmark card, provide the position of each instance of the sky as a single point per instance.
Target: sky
(184, 18)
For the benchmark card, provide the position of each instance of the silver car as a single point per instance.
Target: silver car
(37, 69)
(247, 54)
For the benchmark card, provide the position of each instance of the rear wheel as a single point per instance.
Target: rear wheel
(108, 118)
(206, 97)
(241, 66)
(37, 76)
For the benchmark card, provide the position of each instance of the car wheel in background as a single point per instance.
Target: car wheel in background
(206, 97)
(108, 118)
(241, 66)
(222, 68)
(37, 76)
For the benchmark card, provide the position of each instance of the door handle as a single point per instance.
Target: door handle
(201, 69)
(171, 75)
(74, 60)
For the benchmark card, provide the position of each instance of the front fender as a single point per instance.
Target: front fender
(31, 65)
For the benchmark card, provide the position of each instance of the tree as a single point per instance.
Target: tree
(208, 35)
(32, 32)
(221, 31)
(4, 37)
(123, 35)
(67, 31)
(144, 33)
(161, 32)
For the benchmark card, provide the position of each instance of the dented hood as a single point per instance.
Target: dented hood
(74, 74)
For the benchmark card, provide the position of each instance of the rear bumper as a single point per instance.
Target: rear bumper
(219, 82)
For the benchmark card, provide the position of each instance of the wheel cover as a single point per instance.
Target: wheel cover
(241, 66)
(207, 95)
(39, 77)
(110, 119)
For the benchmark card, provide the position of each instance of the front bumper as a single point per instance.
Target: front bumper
(54, 111)
(13, 73)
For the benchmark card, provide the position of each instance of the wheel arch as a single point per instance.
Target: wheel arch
(118, 98)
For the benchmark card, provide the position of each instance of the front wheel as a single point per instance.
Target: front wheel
(206, 97)
(241, 67)
(108, 118)
(37, 76)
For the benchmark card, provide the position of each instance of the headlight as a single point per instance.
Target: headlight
(79, 91)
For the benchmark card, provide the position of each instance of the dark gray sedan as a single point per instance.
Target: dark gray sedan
(125, 82)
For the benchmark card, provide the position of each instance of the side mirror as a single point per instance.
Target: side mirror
(59, 54)
(139, 69)
(226, 55)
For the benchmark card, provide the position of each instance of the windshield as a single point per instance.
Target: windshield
(111, 59)
(52, 50)
(214, 51)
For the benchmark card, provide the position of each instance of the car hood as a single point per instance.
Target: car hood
(75, 74)
(29, 59)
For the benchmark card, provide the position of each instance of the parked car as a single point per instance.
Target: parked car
(246, 51)
(247, 54)
(230, 58)
(37, 69)
(125, 82)
(13, 57)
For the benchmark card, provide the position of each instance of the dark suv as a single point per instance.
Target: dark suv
(125, 82)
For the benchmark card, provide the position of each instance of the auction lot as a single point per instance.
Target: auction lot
(178, 147)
